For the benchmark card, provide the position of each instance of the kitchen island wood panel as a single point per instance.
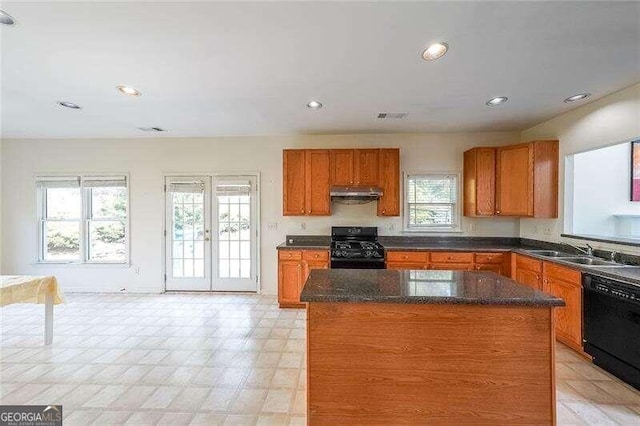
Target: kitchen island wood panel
(440, 364)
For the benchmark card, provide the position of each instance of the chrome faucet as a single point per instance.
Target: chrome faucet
(588, 251)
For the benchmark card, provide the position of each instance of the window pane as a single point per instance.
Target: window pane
(62, 241)
(198, 268)
(63, 203)
(431, 215)
(432, 190)
(107, 241)
(177, 268)
(108, 203)
(245, 269)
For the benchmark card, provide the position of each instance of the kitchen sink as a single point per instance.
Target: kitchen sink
(549, 253)
(588, 261)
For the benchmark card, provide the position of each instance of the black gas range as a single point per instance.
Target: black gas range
(356, 247)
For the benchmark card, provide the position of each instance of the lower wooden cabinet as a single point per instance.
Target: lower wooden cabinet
(562, 282)
(294, 267)
(566, 283)
(528, 271)
(455, 261)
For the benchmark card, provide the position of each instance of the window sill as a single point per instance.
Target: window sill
(432, 231)
(634, 242)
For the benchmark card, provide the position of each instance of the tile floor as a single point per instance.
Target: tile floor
(207, 359)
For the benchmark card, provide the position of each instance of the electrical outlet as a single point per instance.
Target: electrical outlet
(472, 226)
(535, 229)
(272, 226)
(546, 229)
(303, 226)
(392, 227)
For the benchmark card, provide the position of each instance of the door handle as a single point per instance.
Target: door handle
(207, 239)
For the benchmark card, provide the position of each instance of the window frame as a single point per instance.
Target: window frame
(85, 219)
(455, 227)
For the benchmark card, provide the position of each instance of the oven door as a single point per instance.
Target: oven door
(357, 264)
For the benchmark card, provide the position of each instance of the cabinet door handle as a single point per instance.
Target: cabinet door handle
(384, 211)
(302, 211)
(498, 212)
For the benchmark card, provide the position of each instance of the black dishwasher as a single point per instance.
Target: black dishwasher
(611, 314)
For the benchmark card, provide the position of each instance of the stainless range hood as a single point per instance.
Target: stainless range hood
(355, 194)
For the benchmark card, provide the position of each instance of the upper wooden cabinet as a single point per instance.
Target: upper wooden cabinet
(516, 180)
(354, 166)
(308, 175)
(480, 182)
(389, 181)
(306, 182)
(293, 196)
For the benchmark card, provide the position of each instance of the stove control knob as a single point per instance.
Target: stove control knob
(345, 254)
(336, 253)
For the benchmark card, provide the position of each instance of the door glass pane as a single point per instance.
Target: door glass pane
(188, 234)
(62, 240)
(234, 247)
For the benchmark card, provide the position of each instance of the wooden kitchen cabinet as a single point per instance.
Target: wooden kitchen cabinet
(479, 182)
(566, 283)
(524, 181)
(389, 181)
(455, 261)
(306, 182)
(354, 167)
(527, 180)
(294, 185)
(342, 167)
(494, 262)
(528, 271)
(294, 267)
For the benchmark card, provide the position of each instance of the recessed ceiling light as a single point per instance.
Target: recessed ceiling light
(314, 105)
(435, 51)
(579, 97)
(6, 19)
(128, 90)
(497, 101)
(69, 105)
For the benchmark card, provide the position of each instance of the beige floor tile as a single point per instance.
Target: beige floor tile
(189, 400)
(566, 417)
(208, 419)
(106, 396)
(285, 378)
(240, 420)
(623, 415)
(622, 393)
(589, 413)
(259, 377)
(248, 401)
(80, 418)
(175, 419)
(144, 418)
(277, 401)
(219, 399)
(161, 397)
(112, 418)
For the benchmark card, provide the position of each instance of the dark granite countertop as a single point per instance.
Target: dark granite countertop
(629, 275)
(420, 287)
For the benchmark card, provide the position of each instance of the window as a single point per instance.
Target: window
(432, 202)
(83, 219)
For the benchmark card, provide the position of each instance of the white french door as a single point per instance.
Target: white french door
(188, 233)
(211, 237)
(235, 245)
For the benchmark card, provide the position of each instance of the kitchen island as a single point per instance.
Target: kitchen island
(440, 347)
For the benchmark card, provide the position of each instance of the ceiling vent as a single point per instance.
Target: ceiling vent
(151, 129)
(392, 115)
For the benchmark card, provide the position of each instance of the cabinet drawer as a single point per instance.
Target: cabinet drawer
(315, 255)
(489, 258)
(451, 257)
(407, 256)
(406, 265)
(290, 255)
(562, 273)
(451, 266)
(523, 262)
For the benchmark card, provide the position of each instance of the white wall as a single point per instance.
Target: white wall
(146, 160)
(601, 189)
(608, 121)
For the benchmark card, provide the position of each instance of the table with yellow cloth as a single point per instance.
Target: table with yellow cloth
(32, 289)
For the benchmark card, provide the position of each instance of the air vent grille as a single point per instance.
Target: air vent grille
(151, 129)
(392, 115)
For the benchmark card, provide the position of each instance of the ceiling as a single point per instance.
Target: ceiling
(241, 68)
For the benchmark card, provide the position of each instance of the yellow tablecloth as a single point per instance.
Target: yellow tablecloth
(28, 289)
